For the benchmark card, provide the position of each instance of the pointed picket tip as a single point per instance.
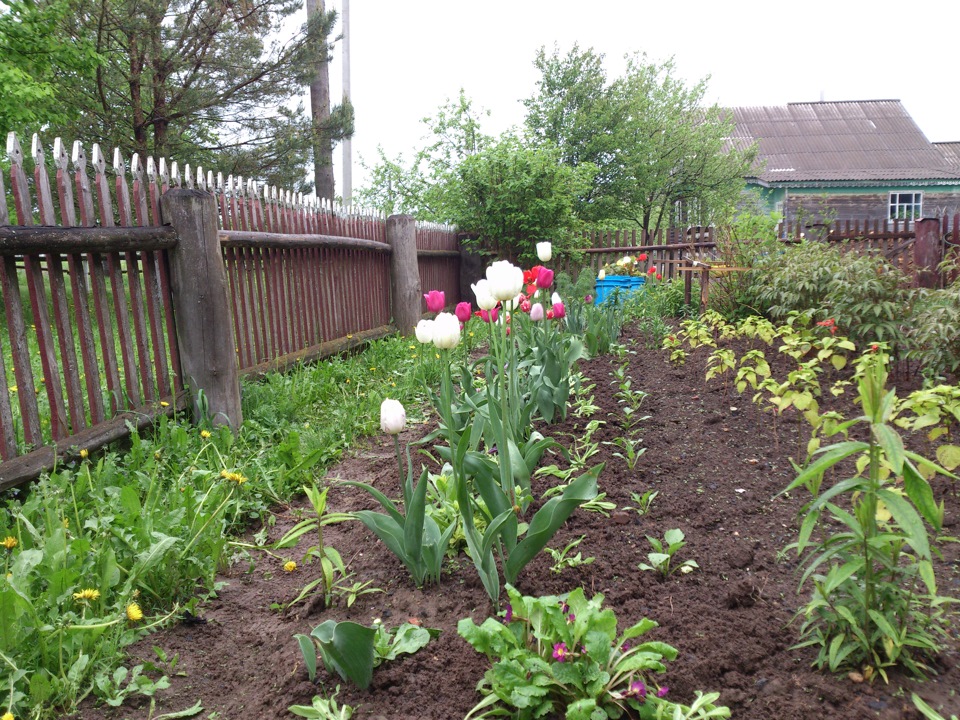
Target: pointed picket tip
(136, 169)
(13, 149)
(78, 156)
(60, 157)
(175, 179)
(96, 158)
(210, 186)
(162, 171)
(119, 166)
(36, 149)
(151, 169)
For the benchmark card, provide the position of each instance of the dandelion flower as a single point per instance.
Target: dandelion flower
(7, 716)
(163, 403)
(134, 613)
(9, 542)
(289, 566)
(233, 477)
(84, 454)
(205, 434)
(87, 594)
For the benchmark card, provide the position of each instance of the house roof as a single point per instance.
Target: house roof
(950, 151)
(861, 140)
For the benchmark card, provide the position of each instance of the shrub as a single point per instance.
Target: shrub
(934, 330)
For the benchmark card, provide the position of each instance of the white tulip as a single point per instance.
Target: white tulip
(393, 418)
(555, 299)
(485, 299)
(446, 331)
(602, 274)
(544, 251)
(424, 331)
(505, 279)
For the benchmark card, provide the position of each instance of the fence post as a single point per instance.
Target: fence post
(927, 252)
(208, 356)
(404, 272)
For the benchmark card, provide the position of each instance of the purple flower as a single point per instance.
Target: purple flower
(638, 689)
(560, 652)
(544, 277)
(571, 618)
(588, 299)
(508, 615)
(564, 608)
(662, 692)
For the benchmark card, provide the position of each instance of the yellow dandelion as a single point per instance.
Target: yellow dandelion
(9, 576)
(233, 477)
(84, 454)
(437, 355)
(87, 594)
(393, 384)
(289, 566)
(66, 523)
(9, 542)
(8, 716)
(412, 347)
(164, 404)
(349, 336)
(13, 388)
(470, 333)
(134, 613)
(373, 369)
(205, 434)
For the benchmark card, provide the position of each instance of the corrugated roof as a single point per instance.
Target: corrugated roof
(950, 151)
(859, 140)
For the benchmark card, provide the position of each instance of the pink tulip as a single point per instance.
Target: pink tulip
(462, 311)
(488, 315)
(558, 310)
(536, 312)
(544, 277)
(525, 306)
(436, 300)
(588, 299)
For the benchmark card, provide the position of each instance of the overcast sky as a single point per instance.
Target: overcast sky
(408, 58)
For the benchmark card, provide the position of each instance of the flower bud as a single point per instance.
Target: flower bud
(446, 331)
(544, 251)
(393, 418)
(424, 331)
(505, 280)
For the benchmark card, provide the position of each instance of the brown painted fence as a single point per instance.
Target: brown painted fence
(87, 292)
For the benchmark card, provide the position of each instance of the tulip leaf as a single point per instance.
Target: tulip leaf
(348, 649)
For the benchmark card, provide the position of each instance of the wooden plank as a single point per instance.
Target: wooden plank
(47, 351)
(137, 306)
(68, 213)
(20, 350)
(4, 215)
(154, 298)
(42, 183)
(18, 182)
(84, 193)
(261, 298)
(88, 353)
(121, 314)
(95, 263)
(8, 439)
(123, 191)
(139, 198)
(68, 348)
(16, 240)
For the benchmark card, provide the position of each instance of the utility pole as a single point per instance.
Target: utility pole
(347, 142)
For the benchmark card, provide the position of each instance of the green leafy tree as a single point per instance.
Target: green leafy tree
(513, 196)
(197, 80)
(655, 144)
(31, 56)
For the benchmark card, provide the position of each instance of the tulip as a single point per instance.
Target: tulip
(544, 251)
(446, 331)
(659, 276)
(485, 298)
(642, 257)
(505, 279)
(462, 311)
(424, 331)
(393, 418)
(602, 274)
(436, 300)
(544, 278)
(525, 306)
(652, 270)
(536, 312)
(512, 303)
(488, 315)
(588, 299)
(555, 298)
(558, 310)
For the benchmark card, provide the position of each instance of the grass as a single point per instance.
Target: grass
(147, 524)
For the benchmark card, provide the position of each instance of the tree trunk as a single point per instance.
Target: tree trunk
(320, 110)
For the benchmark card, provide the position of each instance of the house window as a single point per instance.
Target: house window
(906, 206)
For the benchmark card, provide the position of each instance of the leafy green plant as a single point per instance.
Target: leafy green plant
(721, 362)
(563, 559)
(927, 711)
(631, 453)
(323, 708)
(114, 688)
(661, 559)
(644, 500)
(353, 651)
(563, 656)
(874, 601)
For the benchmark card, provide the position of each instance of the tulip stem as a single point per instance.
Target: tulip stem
(403, 479)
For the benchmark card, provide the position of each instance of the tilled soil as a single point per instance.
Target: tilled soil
(718, 466)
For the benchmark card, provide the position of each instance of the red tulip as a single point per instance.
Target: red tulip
(462, 311)
(436, 300)
(525, 306)
(652, 270)
(659, 276)
(487, 315)
(642, 257)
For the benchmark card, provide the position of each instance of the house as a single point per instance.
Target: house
(855, 160)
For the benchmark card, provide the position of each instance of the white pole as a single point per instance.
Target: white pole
(347, 143)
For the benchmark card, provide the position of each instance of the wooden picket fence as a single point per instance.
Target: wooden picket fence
(86, 286)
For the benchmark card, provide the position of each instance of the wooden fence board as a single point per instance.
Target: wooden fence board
(23, 372)
(88, 353)
(48, 353)
(68, 352)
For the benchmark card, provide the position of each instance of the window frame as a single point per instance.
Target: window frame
(900, 209)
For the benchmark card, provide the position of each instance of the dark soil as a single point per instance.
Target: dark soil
(718, 466)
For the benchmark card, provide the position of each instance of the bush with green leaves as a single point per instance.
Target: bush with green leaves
(934, 330)
(562, 656)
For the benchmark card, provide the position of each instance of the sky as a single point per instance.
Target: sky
(408, 58)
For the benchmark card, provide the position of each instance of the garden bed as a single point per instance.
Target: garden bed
(717, 467)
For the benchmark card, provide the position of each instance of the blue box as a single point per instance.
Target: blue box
(627, 284)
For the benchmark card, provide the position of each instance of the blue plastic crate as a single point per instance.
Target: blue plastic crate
(627, 284)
